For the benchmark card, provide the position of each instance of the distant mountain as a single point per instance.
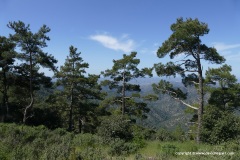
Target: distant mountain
(166, 112)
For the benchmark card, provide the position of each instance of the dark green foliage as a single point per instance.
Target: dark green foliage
(116, 126)
(23, 142)
(166, 87)
(48, 117)
(90, 153)
(142, 133)
(179, 134)
(127, 96)
(31, 45)
(76, 101)
(121, 148)
(81, 93)
(170, 69)
(88, 146)
(34, 143)
(219, 125)
(220, 122)
(169, 149)
(164, 135)
(226, 96)
(185, 40)
(4, 151)
(7, 55)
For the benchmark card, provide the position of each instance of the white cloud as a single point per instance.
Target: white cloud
(156, 44)
(229, 51)
(124, 36)
(123, 44)
(224, 47)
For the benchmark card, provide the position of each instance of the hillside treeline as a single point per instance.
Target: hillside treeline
(110, 105)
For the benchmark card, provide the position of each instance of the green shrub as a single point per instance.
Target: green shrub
(138, 156)
(4, 152)
(26, 142)
(116, 126)
(90, 153)
(169, 149)
(164, 135)
(179, 134)
(219, 126)
(120, 147)
(86, 140)
(144, 133)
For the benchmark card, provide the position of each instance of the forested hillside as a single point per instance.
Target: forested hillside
(120, 111)
(165, 112)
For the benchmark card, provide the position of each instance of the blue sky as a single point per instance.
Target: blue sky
(103, 30)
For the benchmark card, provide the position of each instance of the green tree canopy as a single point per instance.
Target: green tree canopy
(225, 94)
(31, 45)
(126, 93)
(81, 91)
(7, 55)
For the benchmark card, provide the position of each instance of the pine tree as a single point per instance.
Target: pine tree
(220, 123)
(185, 41)
(82, 91)
(127, 94)
(31, 45)
(7, 55)
(225, 94)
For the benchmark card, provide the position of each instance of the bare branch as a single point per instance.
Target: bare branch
(117, 101)
(178, 99)
(194, 82)
(190, 71)
(128, 97)
(187, 71)
(188, 105)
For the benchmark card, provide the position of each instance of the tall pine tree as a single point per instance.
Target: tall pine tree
(185, 42)
(31, 45)
(7, 55)
(127, 93)
(82, 91)
(220, 123)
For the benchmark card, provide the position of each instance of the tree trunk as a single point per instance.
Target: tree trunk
(79, 125)
(123, 94)
(70, 125)
(5, 97)
(82, 124)
(25, 114)
(201, 101)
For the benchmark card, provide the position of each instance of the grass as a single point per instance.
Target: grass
(24, 142)
(154, 151)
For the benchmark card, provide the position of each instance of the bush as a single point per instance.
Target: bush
(143, 133)
(219, 126)
(169, 149)
(116, 126)
(164, 135)
(26, 142)
(90, 153)
(4, 152)
(179, 134)
(120, 147)
(86, 140)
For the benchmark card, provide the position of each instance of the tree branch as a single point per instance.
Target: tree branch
(178, 99)
(194, 82)
(188, 105)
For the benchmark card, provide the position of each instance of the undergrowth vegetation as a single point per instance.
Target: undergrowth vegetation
(18, 142)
